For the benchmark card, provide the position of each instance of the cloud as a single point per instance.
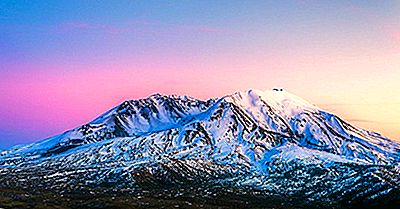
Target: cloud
(202, 29)
(361, 120)
(85, 26)
(141, 27)
(359, 104)
(395, 36)
(392, 32)
(359, 10)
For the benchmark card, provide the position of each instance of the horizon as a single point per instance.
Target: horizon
(64, 63)
(174, 94)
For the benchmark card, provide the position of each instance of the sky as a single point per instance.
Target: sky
(62, 63)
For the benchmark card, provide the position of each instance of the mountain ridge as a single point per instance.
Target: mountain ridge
(271, 142)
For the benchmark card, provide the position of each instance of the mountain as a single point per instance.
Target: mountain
(270, 148)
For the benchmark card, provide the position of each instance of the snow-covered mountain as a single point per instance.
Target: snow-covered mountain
(267, 143)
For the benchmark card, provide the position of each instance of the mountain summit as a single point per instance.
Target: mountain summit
(269, 146)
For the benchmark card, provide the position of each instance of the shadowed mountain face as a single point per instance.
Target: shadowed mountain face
(251, 149)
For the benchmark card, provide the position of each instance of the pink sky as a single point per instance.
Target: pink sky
(59, 100)
(63, 63)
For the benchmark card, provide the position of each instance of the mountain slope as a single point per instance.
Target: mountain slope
(265, 143)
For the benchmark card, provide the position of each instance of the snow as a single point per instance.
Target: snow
(159, 125)
(288, 104)
(260, 134)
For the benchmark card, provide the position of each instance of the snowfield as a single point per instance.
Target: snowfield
(272, 143)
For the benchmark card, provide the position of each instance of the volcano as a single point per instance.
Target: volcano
(257, 149)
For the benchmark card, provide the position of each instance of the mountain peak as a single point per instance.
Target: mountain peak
(270, 141)
(286, 104)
